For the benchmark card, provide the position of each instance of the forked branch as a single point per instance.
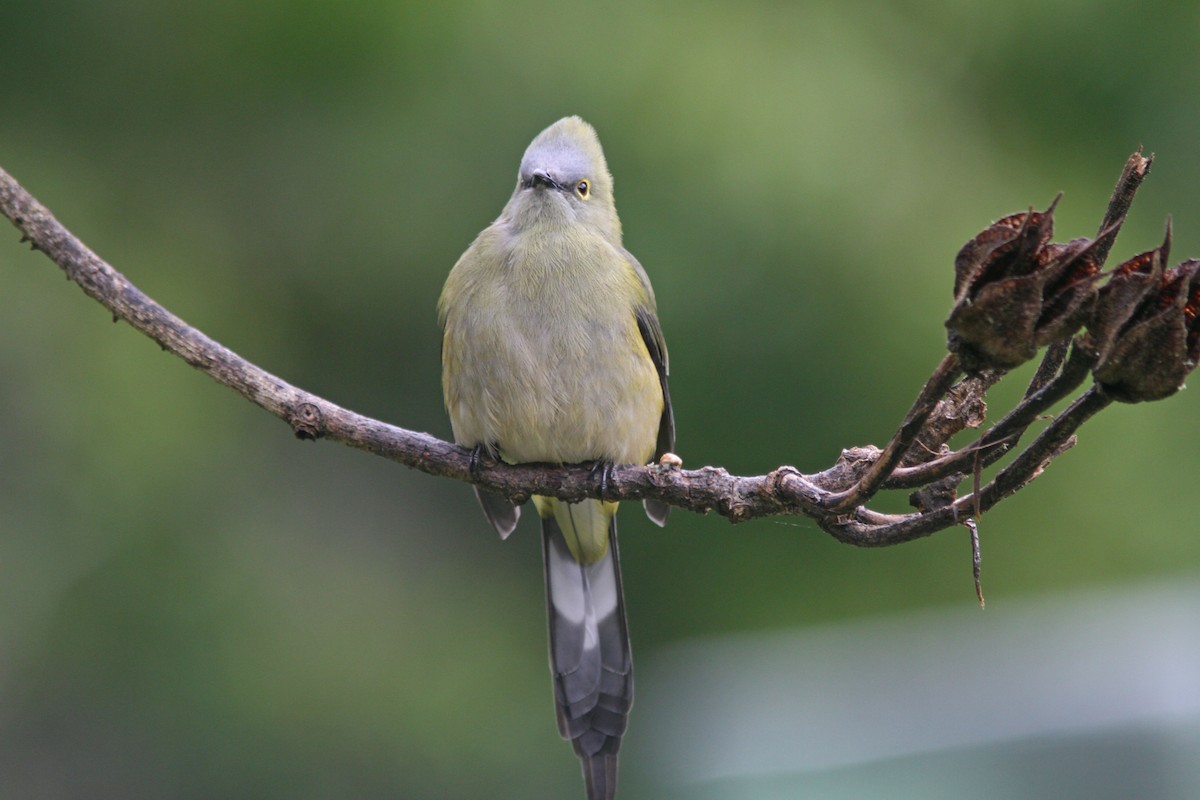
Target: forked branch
(1015, 292)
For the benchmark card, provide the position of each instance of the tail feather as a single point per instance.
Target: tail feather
(499, 510)
(589, 654)
(600, 776)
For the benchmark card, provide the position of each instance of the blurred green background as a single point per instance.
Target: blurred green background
(195, 604)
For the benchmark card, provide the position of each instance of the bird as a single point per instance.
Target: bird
(552, 351)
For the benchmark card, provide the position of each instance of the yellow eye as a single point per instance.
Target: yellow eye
(582, 188)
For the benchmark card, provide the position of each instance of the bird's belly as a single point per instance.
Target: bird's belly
(589, 393)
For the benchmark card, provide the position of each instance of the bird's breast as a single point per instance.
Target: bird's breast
(549, 362)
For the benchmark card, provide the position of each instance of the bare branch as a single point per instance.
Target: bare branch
(313, 417)
(939, 383)
(1137, 167)
(1004, 435)
(1014, 257)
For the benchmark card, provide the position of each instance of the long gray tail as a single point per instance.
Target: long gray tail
(589, 655)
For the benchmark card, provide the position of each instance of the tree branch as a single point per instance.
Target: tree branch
(917, 455)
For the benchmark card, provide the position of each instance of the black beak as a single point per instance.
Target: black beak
(539, 180)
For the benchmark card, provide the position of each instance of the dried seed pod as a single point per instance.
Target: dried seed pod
(999, 285)
(1126, 291)
(1152, 354)
(1070, 291)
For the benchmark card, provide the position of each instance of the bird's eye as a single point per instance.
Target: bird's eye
(582, 188)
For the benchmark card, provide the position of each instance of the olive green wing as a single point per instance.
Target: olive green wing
(656, 346)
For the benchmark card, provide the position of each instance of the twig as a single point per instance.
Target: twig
(993, 445)
(877, 531)
(313, 417)
(976, 559)
(833, 497)
(939, 383)
(1137, 167)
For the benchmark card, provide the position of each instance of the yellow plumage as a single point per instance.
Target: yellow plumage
(552, 352)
